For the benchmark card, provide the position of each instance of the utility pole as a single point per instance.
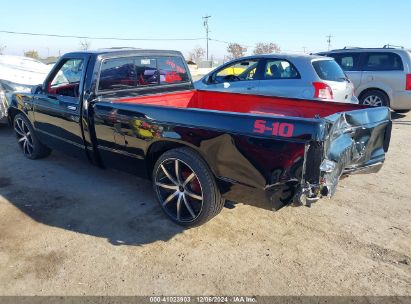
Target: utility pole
(205, 24)
(304, 49)
(329, 41)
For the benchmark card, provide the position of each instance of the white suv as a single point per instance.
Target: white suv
(381, 76)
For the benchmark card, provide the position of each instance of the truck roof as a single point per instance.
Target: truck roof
(126, 51)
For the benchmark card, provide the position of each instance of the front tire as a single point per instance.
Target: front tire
(186, 188)
(374, 98)
(26, 137)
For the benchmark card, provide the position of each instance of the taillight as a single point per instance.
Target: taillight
(322, 90)
(408, 82)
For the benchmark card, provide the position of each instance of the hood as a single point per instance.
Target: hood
(22, 70)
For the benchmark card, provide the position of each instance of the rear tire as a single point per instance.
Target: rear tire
(374, 98)
(26, 137)
(186, 188)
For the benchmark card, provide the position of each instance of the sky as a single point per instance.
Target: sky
(294, 25)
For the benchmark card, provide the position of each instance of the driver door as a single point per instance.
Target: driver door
(238, 77)
(57, 108)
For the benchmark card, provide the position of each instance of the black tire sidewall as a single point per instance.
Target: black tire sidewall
(212, 203)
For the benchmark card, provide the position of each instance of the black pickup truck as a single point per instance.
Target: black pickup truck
(137, 110)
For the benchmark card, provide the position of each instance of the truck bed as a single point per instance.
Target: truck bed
(241, 103)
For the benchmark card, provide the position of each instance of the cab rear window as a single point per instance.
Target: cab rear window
(329, 70)
(136, 72)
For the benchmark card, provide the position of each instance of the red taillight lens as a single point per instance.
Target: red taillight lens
(408, 82)
(322, 90)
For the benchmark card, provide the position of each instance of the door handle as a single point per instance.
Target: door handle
(51, 97)
(72, 108)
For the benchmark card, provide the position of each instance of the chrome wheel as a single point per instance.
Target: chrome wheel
(179, 190)
(373, 100)
(24, 136)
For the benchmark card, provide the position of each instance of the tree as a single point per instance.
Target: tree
(2, 48)
(32, 54)
(266, 48)
(235, 50)
(196, 54)
(85, 45)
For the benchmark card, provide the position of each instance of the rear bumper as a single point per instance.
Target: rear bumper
(373, 168)
(401, 100)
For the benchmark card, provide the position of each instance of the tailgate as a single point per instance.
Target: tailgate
(354, 142)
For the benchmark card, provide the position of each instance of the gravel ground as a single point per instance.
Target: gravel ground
(68, 228)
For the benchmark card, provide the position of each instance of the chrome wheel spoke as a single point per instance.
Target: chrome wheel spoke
(18, 128)
(25, 128)
(188, 179)
(187, 204)
(168, 175)
(24, 136)
(18, 131)
(177, 168)
(170, 198)
(179, 190)
(165, 186)
(20, 125)
(374, 101)
(25, 147)
(193, 195)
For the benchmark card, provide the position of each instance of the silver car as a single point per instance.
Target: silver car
(283, 75)
(381, 76)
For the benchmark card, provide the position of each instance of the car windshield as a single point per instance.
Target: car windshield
(329, 70)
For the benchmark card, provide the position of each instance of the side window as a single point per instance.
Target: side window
(66, 81)
(382, 61)
(280, 69)
(172, 70)
(240, 70)
(128, 73)
(348, 61)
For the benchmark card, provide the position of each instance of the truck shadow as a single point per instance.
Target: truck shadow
(66, 193)
(397, 115)
(73, 195)
(120, 221)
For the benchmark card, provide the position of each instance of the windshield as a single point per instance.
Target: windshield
(329, 70)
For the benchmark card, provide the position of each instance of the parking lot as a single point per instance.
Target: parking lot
(68, 228)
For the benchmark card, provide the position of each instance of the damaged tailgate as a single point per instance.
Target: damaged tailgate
(353, 142)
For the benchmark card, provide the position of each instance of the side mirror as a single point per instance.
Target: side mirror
(38, 89)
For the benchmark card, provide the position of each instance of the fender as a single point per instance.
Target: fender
(375, 85)
(21, 102)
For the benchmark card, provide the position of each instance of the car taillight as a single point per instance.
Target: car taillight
(322, 90)
(408, 82)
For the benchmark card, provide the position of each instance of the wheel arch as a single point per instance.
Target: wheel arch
(12, 112)
(374, 88)
(157, 148)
